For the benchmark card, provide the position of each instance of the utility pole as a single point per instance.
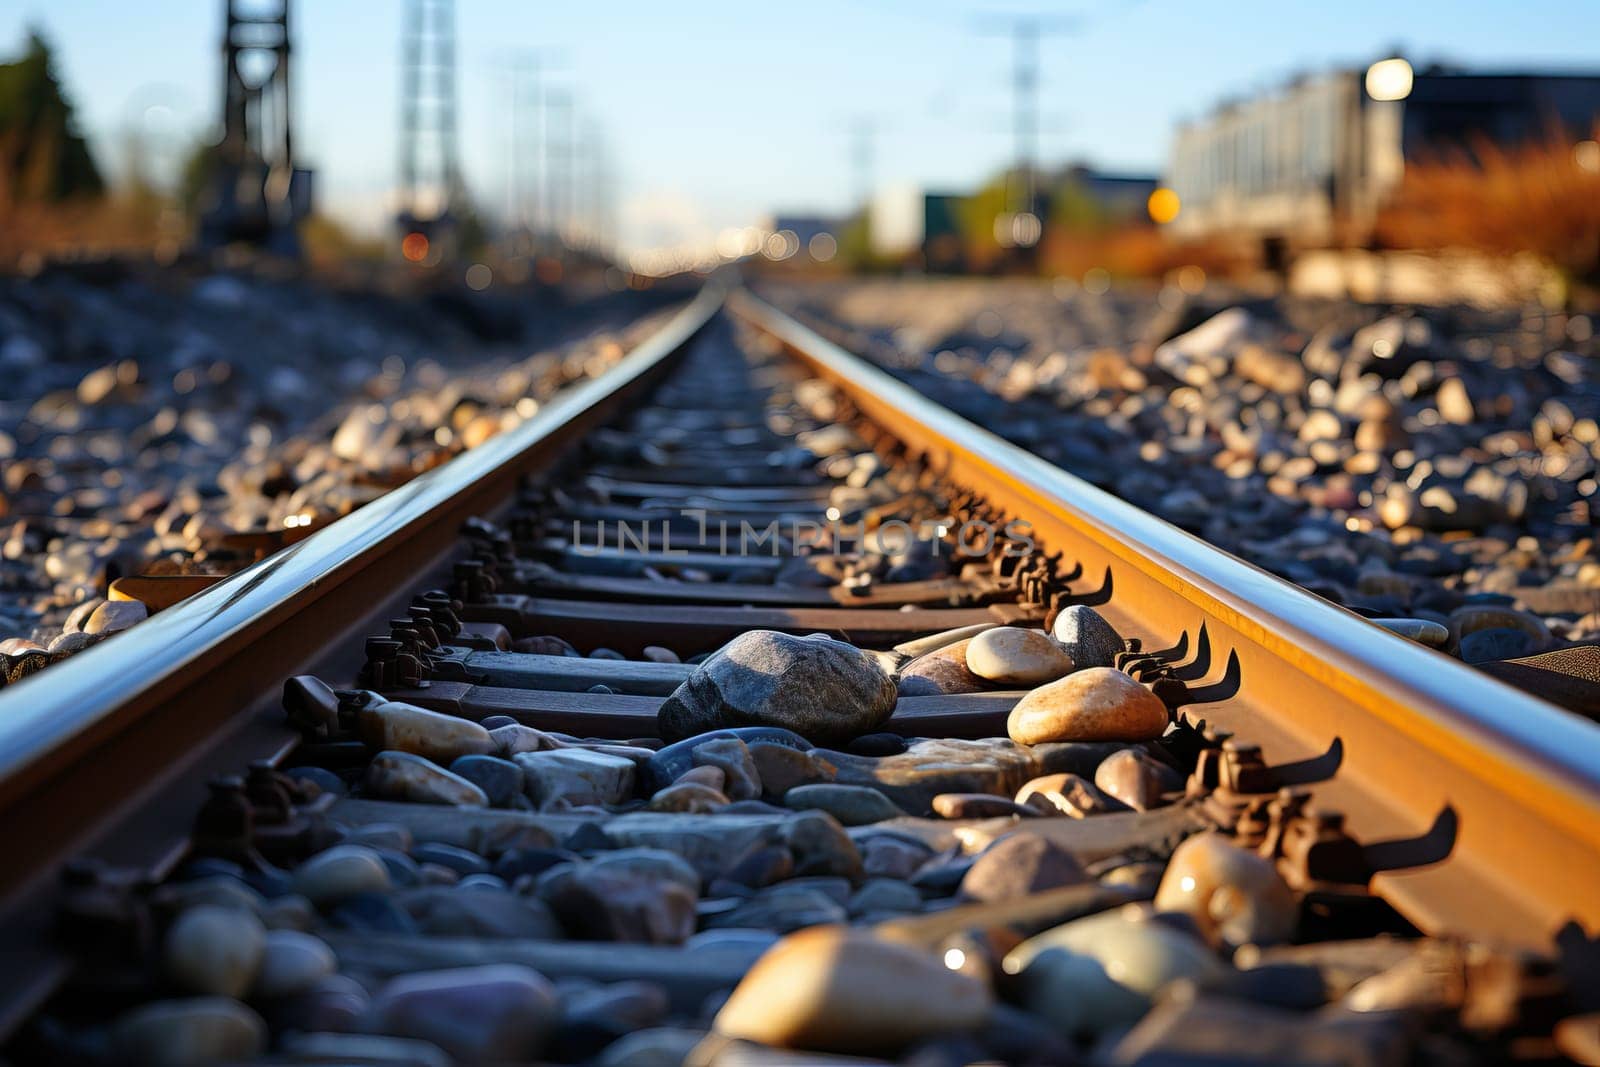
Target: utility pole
(257, 194)
(524, 168)
(430, 174)
(863, 157)
(1022, 192)
(558, 160)
(591, 168)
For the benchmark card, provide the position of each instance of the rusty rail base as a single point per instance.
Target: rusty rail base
(106, 759)
(1499, 788)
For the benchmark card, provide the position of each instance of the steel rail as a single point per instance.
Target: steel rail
(105, 757)
(1496, 790)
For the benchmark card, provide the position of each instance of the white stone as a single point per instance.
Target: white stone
(576, 776)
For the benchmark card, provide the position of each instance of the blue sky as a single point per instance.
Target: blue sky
(716, 113)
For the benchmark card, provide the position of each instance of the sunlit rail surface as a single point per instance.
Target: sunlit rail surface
(743, 697)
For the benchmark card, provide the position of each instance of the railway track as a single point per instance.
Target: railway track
(455, 771)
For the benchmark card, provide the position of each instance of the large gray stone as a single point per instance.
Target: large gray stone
(822, 689)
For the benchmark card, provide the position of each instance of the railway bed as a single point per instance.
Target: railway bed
(744, 707)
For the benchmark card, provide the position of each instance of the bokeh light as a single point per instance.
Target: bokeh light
(414, 246)
(1163, 205)
(1389, 79)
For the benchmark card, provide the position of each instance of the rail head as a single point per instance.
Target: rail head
(1488, 756)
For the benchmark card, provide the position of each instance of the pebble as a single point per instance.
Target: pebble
(943, 670)
(452, 911)
(575, 776)
(368, 1050)
(115, 615)
(761, 866)
(1013, 656)
(690, 797)
(67, 644)
(403, 776)
(214, 950)
(1017, 865)
(391, 725)
(462, 861)
(881, 744)
(1086, 637)
(878, 895)
(978, 806)
(499, 779)
(1235, 896)
(381, 835)
(1094, 704)
(932, 766)
(1099, 973)
(1422, 631)
(852, 805)
(741, 779)
(1136, 779)
(319, 778)
(781, 768)
(594, 1019)
(513, 738)
(824, 690)
(834, 989)
(1067, 794)
(218, 890)
(887, 856)
(339, 872)
(292, 962)
(662, 1046)
(600, 903)
(669, 763)
(173, 1033)
(288, 912)
(499, 1012)
(710, 777)
(335, 1003)
(379, 913)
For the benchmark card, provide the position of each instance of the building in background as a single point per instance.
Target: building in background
(1312, 163)
(945, 233)
(1117, 198)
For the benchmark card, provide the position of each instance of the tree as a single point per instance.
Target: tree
(43, 157)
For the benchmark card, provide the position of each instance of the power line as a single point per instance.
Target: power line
(1025, 31)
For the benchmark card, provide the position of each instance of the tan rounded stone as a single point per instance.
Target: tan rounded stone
(214, 950)
(1012, 655)
(1235, 896)
(1065, 794)
(407, 728)
(830, 988)
(1094, 704)
(403, 776)
(694, 797)
(1136, 779)
(706, 775)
